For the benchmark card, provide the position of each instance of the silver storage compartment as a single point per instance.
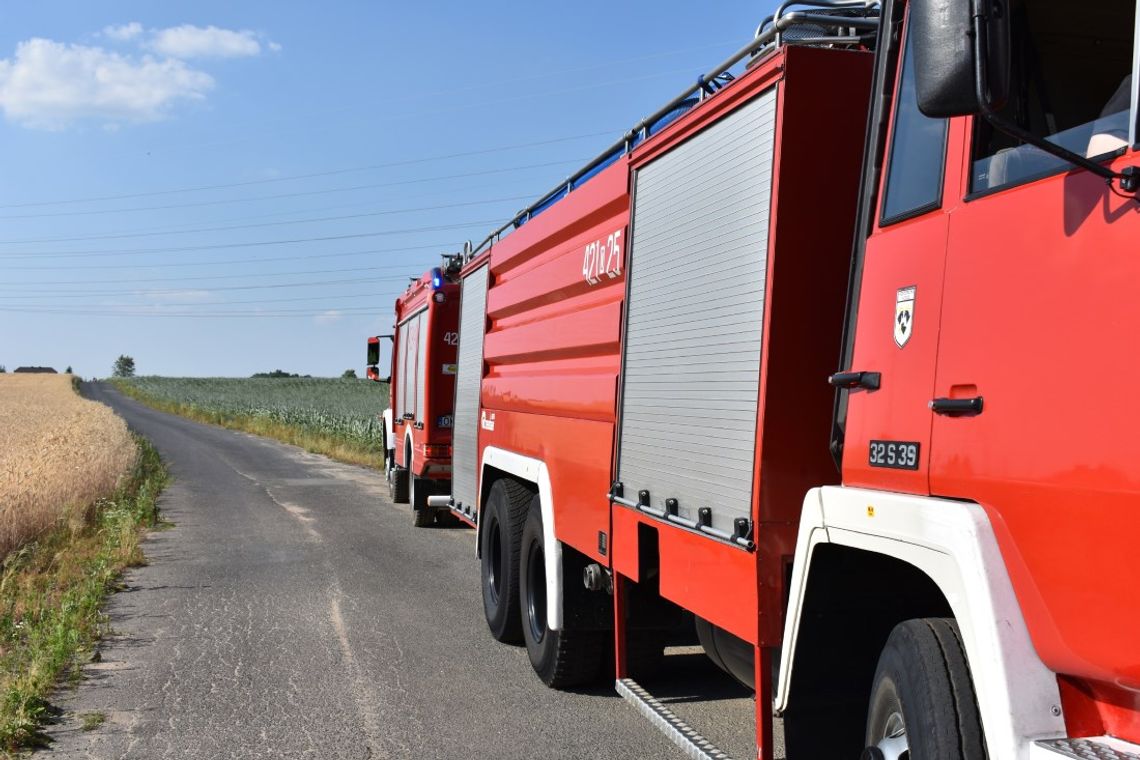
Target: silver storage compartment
(698, 263)
(468, 380)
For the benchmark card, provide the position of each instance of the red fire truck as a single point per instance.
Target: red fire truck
(417, 425)
(643, 405)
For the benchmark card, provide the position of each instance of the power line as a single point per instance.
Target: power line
(448, 246)
(220, 246)
(24, 293)
(311, 175)
(326, 191)
(216, 276)
(451, 190)
(546, 76)
(388, 212)
(347, 311)
(436, 94)
(336, 297)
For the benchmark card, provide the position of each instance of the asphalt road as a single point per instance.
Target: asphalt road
(293, 611)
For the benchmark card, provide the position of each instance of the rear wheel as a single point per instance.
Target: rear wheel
(922, 703)
(398, 485)
(423, 516)
(445, 518)
(500, 534)
(560, 658)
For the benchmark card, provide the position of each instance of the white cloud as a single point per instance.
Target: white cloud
(123, 32)
(49, 85)
(328, 317)
(189, 41)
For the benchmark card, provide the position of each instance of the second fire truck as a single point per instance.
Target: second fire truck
(417, 425)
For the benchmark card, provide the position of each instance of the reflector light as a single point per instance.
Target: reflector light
(436, 450)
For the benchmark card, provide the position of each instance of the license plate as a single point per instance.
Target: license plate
(896, 455)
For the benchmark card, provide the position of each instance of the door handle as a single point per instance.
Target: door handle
(852, 380)
(957, 407)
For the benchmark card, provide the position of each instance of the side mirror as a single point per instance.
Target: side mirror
(373, 371)
(961, 55)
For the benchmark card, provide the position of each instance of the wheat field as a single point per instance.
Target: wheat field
(59, 453)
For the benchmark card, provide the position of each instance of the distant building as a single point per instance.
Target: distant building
(41, 370)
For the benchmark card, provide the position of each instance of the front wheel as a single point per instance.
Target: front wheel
(562, 659)
(922, 703)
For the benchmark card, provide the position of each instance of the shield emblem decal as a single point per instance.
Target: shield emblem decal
(904, 315)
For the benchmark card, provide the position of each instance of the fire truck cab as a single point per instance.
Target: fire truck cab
(984, 426)
(417, 425)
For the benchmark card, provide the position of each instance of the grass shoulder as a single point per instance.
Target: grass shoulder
(51, 593)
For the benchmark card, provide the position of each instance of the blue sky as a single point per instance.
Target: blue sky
(157, 156)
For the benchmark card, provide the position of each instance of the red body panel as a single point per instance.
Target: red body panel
(823, 100)
(441, 330)
(551, 352)
(1033, 318)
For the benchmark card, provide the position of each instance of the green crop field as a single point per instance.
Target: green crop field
(329, 415)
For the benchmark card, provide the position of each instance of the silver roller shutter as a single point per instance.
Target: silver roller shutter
(464, 445)
(411, 351)
(401, 367)
(697, 272)
(421, 367)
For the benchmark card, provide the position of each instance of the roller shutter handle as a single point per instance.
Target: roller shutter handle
(870, 381)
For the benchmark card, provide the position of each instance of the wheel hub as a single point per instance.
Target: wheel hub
(894, 744)
(494, 580)
(536, 592)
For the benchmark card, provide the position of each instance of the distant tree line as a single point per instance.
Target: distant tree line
(278, 373)
(349, 374)
(4, 370)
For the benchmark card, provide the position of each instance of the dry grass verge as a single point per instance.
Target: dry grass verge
(51, 591)
(59, 453)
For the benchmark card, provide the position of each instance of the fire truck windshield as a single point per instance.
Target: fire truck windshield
(1072, 84)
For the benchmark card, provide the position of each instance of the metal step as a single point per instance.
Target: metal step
(1093, 748)
(691, 743)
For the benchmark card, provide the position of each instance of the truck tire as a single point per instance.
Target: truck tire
(422, 515)
(501, 532)
(385, 451)
(922, 700)
(562, 659)
(398, 485)
(444, 518)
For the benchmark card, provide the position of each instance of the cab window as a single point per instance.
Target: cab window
(1072, 85)
(918, 149)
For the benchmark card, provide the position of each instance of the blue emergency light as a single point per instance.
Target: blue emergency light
(436, 278)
